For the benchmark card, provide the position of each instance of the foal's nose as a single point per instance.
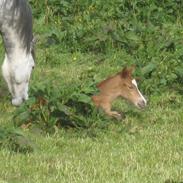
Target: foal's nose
(141, 103)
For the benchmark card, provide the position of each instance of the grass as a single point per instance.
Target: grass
(145, 147)
(148, 150)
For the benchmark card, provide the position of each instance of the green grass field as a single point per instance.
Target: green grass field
(75, 52)
(144, 147)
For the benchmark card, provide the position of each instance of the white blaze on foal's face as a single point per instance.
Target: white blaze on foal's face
(141, 101)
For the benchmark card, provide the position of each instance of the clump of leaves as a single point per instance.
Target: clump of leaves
(48, 110)
(149, 32)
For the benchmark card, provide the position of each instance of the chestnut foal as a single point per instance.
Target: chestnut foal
(120, 85)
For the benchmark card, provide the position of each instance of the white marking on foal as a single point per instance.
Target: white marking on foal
(135, 83)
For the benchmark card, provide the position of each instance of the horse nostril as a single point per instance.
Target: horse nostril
(142, 104)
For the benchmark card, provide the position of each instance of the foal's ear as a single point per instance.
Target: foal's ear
(127, 72)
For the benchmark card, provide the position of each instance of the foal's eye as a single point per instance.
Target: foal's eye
(130, 87)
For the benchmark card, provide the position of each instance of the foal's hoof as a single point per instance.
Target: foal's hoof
(116, 115)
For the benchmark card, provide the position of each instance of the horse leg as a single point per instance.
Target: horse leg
(105, 103)
(106, 106)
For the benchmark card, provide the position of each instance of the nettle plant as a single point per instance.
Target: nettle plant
(48, 108)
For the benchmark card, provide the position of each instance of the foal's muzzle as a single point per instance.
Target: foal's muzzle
(141, 104)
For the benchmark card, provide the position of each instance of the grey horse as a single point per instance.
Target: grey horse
(16, 31)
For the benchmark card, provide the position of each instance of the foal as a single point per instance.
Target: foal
(120, 85)
(16, 30)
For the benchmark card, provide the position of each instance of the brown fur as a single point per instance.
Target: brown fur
(119, 85)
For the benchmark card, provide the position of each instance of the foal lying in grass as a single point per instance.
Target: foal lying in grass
(120, 85)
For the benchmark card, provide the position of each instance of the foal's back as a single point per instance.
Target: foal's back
(110, 84)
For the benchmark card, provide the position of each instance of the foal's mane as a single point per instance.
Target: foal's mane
(126, 73)
(106, 80)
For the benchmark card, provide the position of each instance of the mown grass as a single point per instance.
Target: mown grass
(139, 149)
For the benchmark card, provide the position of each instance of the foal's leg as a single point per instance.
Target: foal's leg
(105, 103)
(106, 106)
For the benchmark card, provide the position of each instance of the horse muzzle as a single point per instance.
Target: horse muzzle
(141, 104)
